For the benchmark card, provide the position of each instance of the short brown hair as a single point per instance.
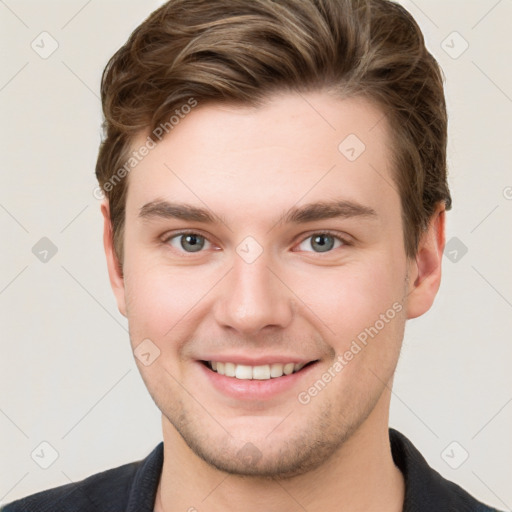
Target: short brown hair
(241, 51)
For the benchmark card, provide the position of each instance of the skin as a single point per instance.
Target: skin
(249, 166)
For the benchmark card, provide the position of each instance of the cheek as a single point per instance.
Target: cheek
(161, 300)
(349, 299)
(160, 306)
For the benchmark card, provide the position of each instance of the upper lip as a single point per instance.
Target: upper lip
(257, 361)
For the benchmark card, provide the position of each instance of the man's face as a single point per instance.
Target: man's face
(264, 279)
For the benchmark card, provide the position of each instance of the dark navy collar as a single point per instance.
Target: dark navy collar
(425, 489)
(145, 482)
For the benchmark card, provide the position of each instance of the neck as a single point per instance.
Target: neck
(360, 476)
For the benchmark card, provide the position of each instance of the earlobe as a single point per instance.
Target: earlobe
(114, 268)
(426, 269)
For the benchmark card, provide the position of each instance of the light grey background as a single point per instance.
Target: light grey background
(67, 373)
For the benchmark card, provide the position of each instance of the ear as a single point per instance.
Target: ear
(425, 269)
(114, 268)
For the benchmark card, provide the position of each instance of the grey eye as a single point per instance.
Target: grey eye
(188, 242)
(320, 242)
(192, 243)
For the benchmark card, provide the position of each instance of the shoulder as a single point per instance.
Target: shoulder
(425, 488)
(105, 491)
(110, 487)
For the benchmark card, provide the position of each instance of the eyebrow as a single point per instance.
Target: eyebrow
(166, 210)
(326, 210)
(295, 215)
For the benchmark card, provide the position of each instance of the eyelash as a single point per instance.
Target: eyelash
(344, 241)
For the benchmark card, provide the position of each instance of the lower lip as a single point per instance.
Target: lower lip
(252, 389)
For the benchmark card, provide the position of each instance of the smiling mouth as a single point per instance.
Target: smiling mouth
(261, 372)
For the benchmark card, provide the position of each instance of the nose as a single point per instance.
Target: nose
(253, 298)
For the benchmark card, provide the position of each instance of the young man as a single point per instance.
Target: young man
(275, 193)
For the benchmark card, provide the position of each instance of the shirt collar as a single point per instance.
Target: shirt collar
(425, 489)
(145, 483)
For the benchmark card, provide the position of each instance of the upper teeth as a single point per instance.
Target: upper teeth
(263, 372)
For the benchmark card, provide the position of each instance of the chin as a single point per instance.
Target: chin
(251, 450)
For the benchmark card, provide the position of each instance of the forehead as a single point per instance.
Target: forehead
(295, 147)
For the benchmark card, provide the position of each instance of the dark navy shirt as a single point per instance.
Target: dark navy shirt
(132, 487)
